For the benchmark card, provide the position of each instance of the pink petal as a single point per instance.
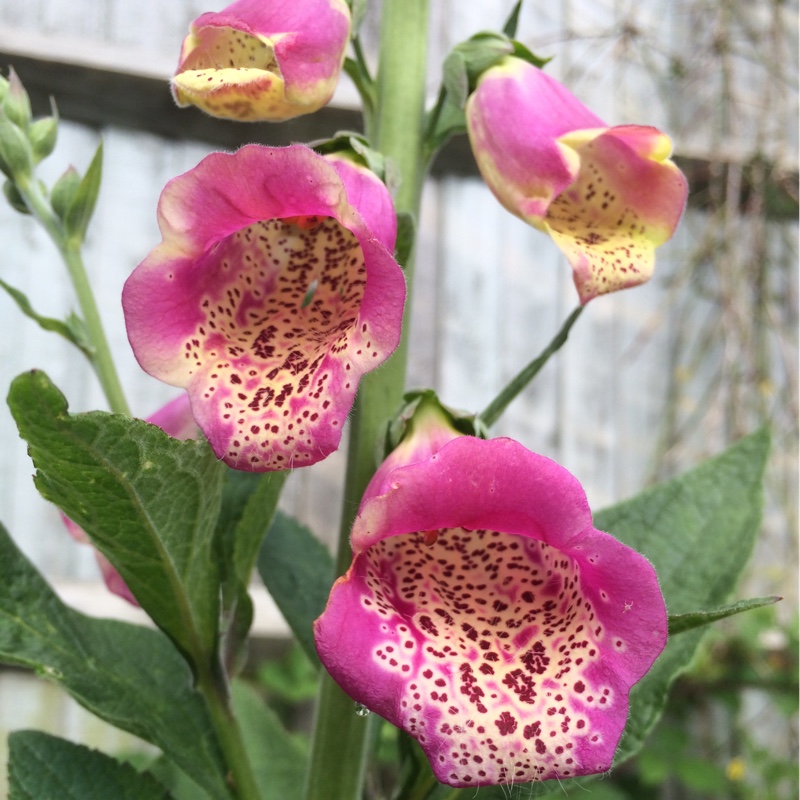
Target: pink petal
(486, 616)
(607, 196)
(262, 60)
(267, 300)
(175, 418)
(619, 209)
(369, 195)
(514, 119)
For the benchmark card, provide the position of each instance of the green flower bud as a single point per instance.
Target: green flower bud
(42, 136)
(14, 198)
(16, 102)
(16, 157)
(64, 190)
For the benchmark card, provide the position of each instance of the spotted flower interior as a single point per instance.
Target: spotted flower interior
(267, 300)
(235, 73)
(257, 60)
(611, 219)
(497, 641)
(224, 47)
(486, 616)
(275, 340)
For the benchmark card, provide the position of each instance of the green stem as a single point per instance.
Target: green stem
(494, 410)
(70, 252)
(338, 753)
(229, 735)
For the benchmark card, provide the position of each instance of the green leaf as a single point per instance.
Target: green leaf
(522, 52)
(278, 759)
(450, 121)
(175, 780)
(455, 78)
(256, 517)
(698, 530)
(249, 501)
(481, 52)
(148, 502)
(73, 330)
(298, 572)
(510, 28)
(406, 231)
(44, 767)
(375, 161)
(679, 623)
(130, 676)
(80, 210)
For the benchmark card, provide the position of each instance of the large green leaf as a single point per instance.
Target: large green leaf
(256, 517)
(130, 676)
(298, 572)
(44, 767)
(698, 530)
(147, 501)
(249, 501)
(278, 758)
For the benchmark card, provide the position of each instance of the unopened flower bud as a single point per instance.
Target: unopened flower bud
(14, 198)
(16, 103)
(42, 135)
(16, 158)
(63, 191)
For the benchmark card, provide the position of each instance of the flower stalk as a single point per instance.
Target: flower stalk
(217, 695)
(338, 754)
(495, 409)
(70, 250)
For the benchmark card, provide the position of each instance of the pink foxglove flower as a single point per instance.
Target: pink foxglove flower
(607, 196)
(175, 418)
(274, 289)
(263, 59)
(485, 615)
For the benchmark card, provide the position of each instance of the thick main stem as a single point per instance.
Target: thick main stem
(338, 754)
(229, 735)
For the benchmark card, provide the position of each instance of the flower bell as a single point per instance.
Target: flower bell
(486, 616)
(274, 289)
(608, 196)
(263, 59)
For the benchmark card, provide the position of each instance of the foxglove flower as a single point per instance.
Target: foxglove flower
(272, 292)
(607, 196)
(175, 419)
(263, 59)
(485, 615)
